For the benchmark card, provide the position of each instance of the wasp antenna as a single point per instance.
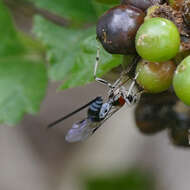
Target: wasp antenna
(72, 113)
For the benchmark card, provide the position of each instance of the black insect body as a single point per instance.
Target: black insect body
(94, 109)
(95, 118)
(99, 111)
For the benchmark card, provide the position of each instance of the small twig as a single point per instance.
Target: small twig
(53, 17)
(29, 8)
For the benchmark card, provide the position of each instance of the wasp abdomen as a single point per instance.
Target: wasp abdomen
(94, 109)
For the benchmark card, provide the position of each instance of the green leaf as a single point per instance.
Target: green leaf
(108, 1)
(133, 179)
(83, 70)
(82, 10)
(62, 45)
(101, 7)
(72, 53)
(23, 78)
(23, 84)
(10, 44)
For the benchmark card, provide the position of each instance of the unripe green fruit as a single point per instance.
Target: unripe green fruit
(181, 81)
(157, 40)
(155, 77)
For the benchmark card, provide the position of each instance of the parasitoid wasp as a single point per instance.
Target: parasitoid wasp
(98, 110)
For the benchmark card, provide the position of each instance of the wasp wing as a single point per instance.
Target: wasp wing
(83, 129)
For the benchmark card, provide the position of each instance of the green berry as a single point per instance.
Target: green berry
(157, 40)
(155, 77)
(181, 81)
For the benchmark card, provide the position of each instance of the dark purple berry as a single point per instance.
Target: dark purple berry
(154, 112)
(180, 137)
(141, 4)
(117, 28)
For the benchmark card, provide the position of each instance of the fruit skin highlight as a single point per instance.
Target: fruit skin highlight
(155, 77)
(157, 40)
(181, 81)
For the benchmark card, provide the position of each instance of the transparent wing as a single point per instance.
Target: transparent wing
(82, 130)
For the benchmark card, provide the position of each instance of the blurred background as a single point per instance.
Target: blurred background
(34, 158)
(117, 156)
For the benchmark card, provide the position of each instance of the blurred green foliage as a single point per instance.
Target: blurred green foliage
(10, 44)
(23, 78)
(133, 179)
(78, 11)
(109, 1)
(22, 85)
(72, 53)
(58, 52)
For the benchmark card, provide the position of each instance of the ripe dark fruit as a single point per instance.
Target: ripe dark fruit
(142, 4)
(180, 125)
(154, 112)
(148, 119)
(180, 137)
(155, 77)
(117, 28)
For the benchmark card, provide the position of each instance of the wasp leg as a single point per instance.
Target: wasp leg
(129, 95)
(132, 84)
(121, 80)
(137, 96)
(100, 80)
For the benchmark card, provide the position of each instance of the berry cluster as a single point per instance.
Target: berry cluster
(159, 32)
(161, 112)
